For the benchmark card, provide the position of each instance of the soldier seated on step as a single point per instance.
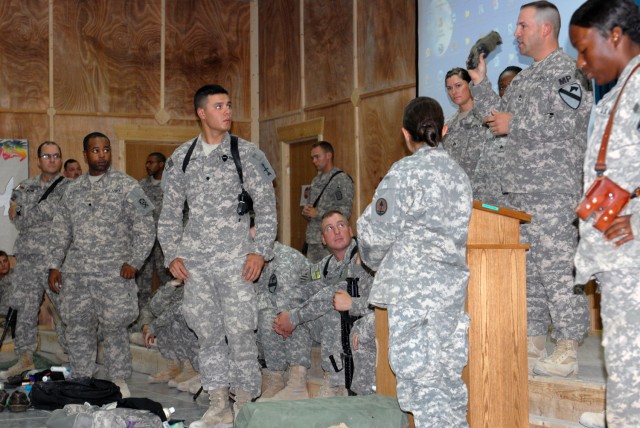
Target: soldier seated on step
(315, 317)
(163, 322)
(5, 285)
(277, 284)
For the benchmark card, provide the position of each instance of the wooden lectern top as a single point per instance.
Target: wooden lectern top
(495, 226)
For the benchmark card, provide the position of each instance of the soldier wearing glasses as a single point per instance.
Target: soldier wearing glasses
(33, 205)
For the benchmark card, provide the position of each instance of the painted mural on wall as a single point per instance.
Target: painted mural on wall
(14, 167)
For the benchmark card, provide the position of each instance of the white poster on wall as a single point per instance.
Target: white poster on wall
(14, 167)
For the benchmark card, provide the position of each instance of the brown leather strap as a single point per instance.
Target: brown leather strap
(601, 165)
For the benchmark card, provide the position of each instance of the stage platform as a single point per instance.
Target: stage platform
(553, 402)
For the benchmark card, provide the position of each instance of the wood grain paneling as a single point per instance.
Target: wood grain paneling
(24, 54)
(279, 50)
(207, 42)
(339, 130)
(33, 127)
(382, 143)
(106, 56)
(328, 50)
(386, 43)
(70, 131)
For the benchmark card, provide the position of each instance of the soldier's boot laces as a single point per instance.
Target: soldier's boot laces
(25, 362)
(242, 397)
(273, 383)
(537, 350)
(296, 388)
(124, 388)
(219, 411)
(187, 373)
(563, 361)
(593, 420)
(166, 375)
(326, 390)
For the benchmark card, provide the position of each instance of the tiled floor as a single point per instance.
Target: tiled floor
(186, 408)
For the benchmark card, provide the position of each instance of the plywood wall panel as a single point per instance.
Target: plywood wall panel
(107, 56)
(328, 49)
(33, 127)
(279, 50)
(386, 43)
(24, 54)
(382, 142)
(339, 130)
(207, 42)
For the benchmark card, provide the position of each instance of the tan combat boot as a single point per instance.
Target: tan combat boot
(593, 420)
(296, 388)
(25, 362)
(273, 383)
(326, 390)
(563, 361)
(171, 372)
(219, 411)
(188, 384)
(537, 350)
(187, 373)
(242, 397)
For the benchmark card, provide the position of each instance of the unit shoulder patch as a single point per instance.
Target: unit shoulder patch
(571, 94)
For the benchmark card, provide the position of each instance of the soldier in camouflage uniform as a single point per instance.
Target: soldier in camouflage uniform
(103, 232)
(543, 117)
(314, 316)
(215, 254)
(415, 233)
(31, 212)
(607, 38)
(277, 284)
(176, 341)
(155, 261)
(466, 133)
(331, 189)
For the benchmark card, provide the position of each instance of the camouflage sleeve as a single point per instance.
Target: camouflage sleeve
(297, 265)
(259, 176)
(170, 224)
(60, 235)
(559, 112)
(143, 227)
(360, 305)
(381, 222)
(338, 196)
(37, 213)
(318, 305)
(484, 98)
(365, 328)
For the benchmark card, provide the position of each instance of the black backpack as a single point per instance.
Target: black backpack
(56, 394)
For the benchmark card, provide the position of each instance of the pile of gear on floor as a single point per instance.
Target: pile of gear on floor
(86, 402)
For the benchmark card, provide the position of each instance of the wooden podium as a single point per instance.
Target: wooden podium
(496, 374)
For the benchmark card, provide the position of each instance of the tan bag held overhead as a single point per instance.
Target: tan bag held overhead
(605, 199)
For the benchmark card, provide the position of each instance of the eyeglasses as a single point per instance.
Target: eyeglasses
(54, 156)
(334, 229)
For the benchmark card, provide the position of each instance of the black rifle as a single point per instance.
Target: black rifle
(346, 323)
(9, 323)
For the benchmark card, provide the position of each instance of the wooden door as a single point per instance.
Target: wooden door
(301, 172)
(138, 151)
